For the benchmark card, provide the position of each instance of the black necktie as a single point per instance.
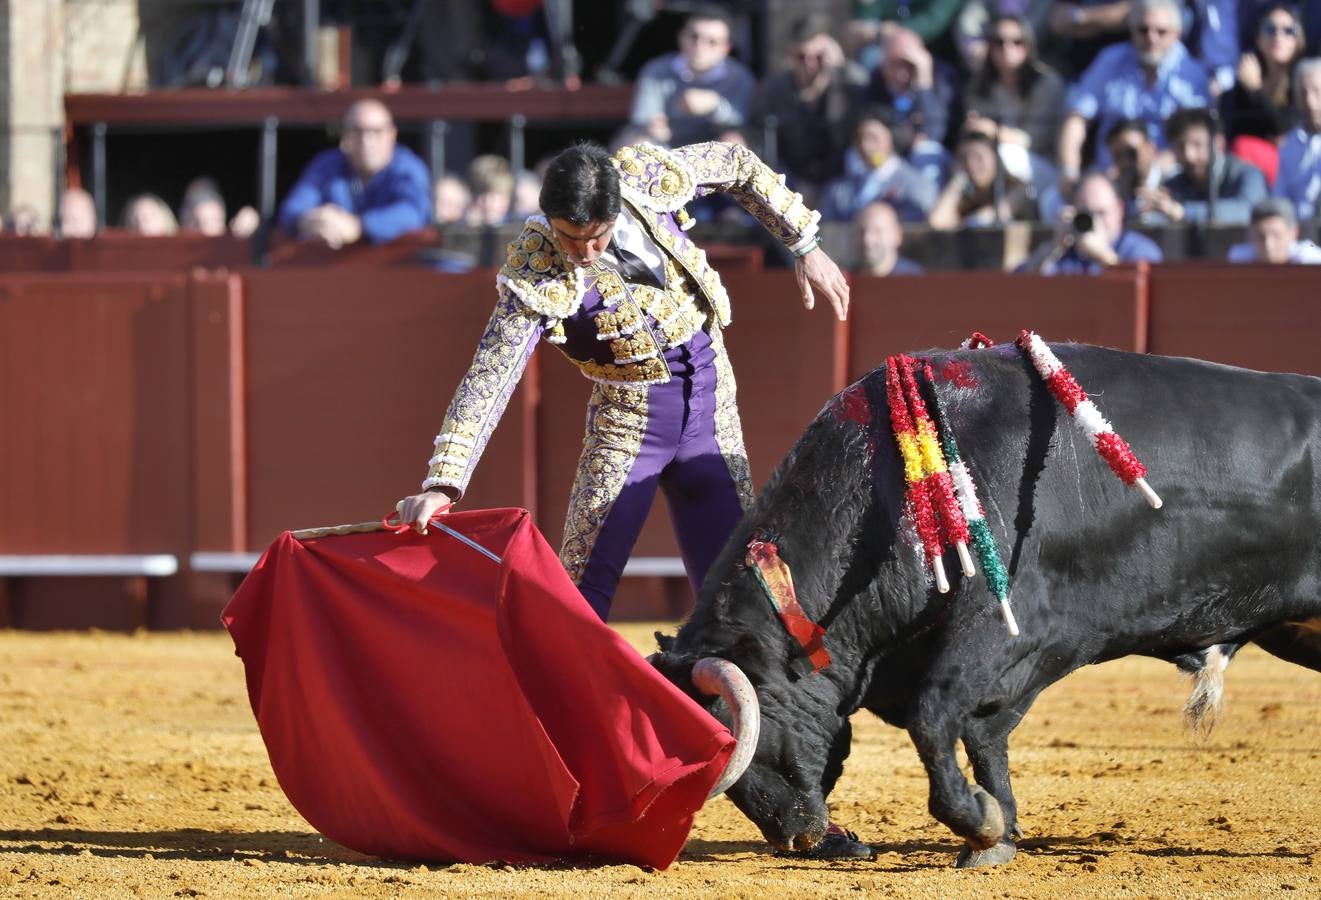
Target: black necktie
(631, 266)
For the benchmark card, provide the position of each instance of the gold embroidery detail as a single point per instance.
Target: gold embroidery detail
(484, 391)
(633, 348)
(694, 263)
(729, 430)
(654, 178)
(648, 371)
(538, 275)
(624, 319)
(617, 423)
(610, 286)
(673, 310)
(737, 171)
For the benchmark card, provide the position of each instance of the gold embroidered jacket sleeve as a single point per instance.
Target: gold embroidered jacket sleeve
(736, 170)
(502, 354)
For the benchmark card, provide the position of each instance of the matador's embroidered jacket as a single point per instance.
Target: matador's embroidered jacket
(615, 332)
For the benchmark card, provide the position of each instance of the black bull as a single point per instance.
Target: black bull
(1096, 574)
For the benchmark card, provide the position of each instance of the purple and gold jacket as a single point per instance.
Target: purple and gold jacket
(616, 333)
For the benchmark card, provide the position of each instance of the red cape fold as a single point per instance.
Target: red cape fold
(420, 701)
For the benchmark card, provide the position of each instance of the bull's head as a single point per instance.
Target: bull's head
(784, 733)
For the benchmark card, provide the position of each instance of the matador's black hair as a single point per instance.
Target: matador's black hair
(581, 185)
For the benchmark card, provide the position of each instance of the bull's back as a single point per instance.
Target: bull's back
(1231, 452)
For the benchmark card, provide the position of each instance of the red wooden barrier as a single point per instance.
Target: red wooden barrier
(1261, 317)
(32, 254)
(167, 413)
(348, 372)
(94, 397)
(95, 443)
(117, 251)
(940, 309)
(288, 251)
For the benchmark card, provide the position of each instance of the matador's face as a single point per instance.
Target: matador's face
(582, 244)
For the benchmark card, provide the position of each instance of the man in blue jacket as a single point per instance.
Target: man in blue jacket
(368, 187)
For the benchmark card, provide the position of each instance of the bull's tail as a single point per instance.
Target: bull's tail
(1203, 706)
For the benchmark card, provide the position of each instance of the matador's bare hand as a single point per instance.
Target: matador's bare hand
(817, 272)
(418, 509)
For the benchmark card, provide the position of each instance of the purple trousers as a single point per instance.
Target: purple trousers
(683, 436)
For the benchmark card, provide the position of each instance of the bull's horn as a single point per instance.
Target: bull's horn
(713, 675)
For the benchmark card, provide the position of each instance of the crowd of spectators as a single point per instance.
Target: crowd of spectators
(1100, 118)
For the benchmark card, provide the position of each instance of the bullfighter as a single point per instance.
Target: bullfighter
(608, 274)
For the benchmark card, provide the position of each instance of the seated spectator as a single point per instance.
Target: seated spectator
(874, 171)
(527, 195)
(452, 199)
(1090, 235)
(880, 235)
(1260, 107)
(367, 187)
(874, 21)
(973, 25)
(245, 222)
(689, 96)
(814, 104)
(1299, 178)
(1135, 166)
(1210, 187)
(1079, 31)
(919, 92)
(23, 219)
(77, 214)
(150, 216)
(980, 192)
(1273, 237)
(492, 182)
(203, 208)
(1015, 90)
(1147, 78)
(1210, 31)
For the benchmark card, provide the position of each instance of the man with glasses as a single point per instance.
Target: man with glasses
(367, 187)
(693, 95)
(814, 103)
(1147, 78)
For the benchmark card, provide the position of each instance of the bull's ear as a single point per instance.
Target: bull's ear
(664, 641)
(677, 669)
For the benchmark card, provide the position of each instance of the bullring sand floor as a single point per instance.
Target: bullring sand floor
(130, 765)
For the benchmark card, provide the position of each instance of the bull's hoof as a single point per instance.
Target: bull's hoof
(998, 855)
(992, 827)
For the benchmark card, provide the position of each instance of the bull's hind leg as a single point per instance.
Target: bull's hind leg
(1297, 642)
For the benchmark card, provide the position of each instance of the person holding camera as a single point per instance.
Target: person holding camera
(1090, 236)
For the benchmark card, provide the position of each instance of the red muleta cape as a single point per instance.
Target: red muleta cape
(420, 701)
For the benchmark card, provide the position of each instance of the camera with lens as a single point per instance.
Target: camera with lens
(1082, 222)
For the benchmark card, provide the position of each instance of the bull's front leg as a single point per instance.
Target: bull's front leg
(935, 727)
(987, 743)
